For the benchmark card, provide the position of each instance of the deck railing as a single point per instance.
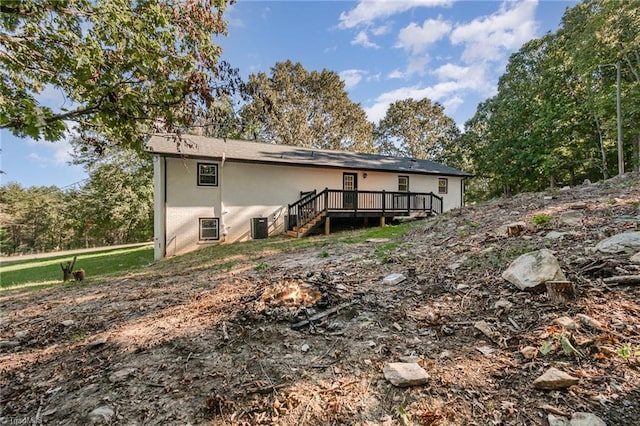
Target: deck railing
(387, 203)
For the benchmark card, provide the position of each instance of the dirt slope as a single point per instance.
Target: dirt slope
(205, 347)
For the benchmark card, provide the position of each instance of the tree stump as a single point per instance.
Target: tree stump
(67, 270)
(560, 291)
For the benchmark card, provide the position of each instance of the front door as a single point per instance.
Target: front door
(350, 188)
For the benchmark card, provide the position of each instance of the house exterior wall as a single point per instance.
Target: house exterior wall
(250, 190)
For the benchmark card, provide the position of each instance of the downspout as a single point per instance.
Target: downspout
(164, 207)
(223, 226)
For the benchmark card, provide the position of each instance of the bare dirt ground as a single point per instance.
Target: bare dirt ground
(202, 346)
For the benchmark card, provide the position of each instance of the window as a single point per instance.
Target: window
(209, 229)
(443, 185)
(403, 183)
(207, 174)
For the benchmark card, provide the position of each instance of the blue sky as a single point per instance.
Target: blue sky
(452, 52)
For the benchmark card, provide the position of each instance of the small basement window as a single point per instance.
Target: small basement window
(207, 174)
(443, 186)
(209, 229)
(403, 183)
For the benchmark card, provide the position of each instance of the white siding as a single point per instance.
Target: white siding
(248, 190)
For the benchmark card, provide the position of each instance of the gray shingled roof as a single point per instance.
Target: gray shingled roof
(247, 151)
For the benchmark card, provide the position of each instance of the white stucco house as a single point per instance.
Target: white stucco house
(213, 191)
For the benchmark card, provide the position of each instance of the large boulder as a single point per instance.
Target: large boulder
(625, 242)
(533, 269)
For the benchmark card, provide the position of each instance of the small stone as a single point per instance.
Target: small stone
(485, 350)
(529, 352)
(503, 304)
(368, 362)
(121, 375)
(396, 326)
(571, 217)
(555, 235)
(566, 322)
(21, 335)
(590, 322)
(102, 414)
(305, 348)
(341, 287)
(68, 323)
(485, 328)
(635, 258)
(445, 354)
(404, 374)
(548, 197)
(555, 379)
(410, 359)
(586, 419)
(378, 240)
(578, 206)
(462, 287)
(557, 420)
(393, 279)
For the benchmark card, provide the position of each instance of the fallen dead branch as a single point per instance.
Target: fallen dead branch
(320, 315)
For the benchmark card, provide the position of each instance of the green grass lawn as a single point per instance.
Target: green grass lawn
(46, 272)
(96, 264)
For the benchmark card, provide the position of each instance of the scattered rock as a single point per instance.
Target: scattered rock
(586, 419)
(8, 344)
(485, 350)
(305, 347)
(378, 240)
(485, 328)
(121, 375)
(503, 304)
(557, 420)
(404, 374)
(533, 269)
(635, 258)
(555, 379)
(68, 323)
(396, 326)
(555, 235)
(566, 322)
(548, 197)
(101, 414)
(511, 229)
(571, 218)
(21, 335)
(578, 206)
(393, 279)
(590, 322)
(462, 287)
(445, 354)
(627, 241)
(529, 352)
(410, 359)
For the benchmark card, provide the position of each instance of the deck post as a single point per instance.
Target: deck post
(384, 202)
(327, 225)
(382, 223)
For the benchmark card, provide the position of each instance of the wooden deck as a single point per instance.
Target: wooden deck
(313, 208)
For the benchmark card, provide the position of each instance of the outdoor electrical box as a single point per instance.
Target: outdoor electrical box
(259, 228)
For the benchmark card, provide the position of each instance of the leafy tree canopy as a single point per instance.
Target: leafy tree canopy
(293, 106)
(124, 68)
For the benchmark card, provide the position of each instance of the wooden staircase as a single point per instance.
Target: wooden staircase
(308, 227)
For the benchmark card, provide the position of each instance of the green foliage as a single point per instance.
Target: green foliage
(627, 351)
(553, 119)
(262, 266)
(293, 106)
(560, 340)
(541, 219)
(125, 68)
(417, 129)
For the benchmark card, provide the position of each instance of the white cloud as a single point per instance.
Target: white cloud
(368, 11)
(381, 30)
(417, 65)
(452, 104)
(59, 152)
(397, 75)
(489, 38)
(363, 39)
(417, 39)
(352, 77)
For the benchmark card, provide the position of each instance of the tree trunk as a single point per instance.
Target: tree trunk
(636, 153)
(603, 153)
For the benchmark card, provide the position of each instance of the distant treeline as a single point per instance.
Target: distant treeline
(113, 206)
